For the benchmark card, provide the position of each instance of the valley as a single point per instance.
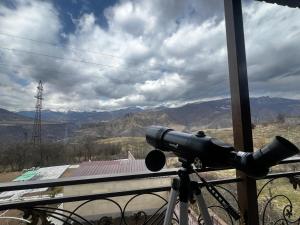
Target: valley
(71, 139)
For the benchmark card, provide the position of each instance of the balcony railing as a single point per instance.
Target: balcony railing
(274, 207)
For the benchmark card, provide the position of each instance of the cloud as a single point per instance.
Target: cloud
(166, 88)
(272, 41)
(18, 70)
(150, 53)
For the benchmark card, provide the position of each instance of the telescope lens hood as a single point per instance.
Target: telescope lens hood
(154, 135)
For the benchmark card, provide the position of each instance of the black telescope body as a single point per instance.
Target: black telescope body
(213, 152)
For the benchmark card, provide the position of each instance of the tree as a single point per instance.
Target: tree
(89, 147)
(280, 118)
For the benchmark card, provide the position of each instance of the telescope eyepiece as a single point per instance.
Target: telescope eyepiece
(279, 149)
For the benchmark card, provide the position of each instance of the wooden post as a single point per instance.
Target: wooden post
(240, 104)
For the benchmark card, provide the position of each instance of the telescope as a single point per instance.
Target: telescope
(204, 151)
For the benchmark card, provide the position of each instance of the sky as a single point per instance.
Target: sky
(105, 55)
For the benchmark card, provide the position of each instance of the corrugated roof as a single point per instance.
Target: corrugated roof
(290, 3)
(110, 167)
(27, 175)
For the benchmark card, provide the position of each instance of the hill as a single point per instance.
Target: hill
(212, 114)
(11, 117)
(130, 125)
(131, 122)
(192, 117)
(217, 114)
(15, 128)
(81, 117)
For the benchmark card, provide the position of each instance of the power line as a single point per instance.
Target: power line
(53, 44)
(35, 68)
(74, 60)
(12, 66)
(57, 45)
(56, 57)
(76, 49)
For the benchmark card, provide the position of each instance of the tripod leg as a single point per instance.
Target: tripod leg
(183, 216)
(172, 202)
(203, 208)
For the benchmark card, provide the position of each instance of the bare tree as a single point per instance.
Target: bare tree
(280, 118)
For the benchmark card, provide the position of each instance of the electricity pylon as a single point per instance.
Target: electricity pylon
(37, 126)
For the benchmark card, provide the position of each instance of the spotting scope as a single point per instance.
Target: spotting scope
(211, 152)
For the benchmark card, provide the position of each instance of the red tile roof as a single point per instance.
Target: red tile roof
(110, 167)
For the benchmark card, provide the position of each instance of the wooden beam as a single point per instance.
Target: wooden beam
(240, 103)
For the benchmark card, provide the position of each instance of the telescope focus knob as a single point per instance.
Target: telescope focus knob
(200, 133)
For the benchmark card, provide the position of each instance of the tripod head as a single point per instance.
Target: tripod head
(188, 189)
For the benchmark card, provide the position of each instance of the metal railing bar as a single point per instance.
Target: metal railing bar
(280, 174)
(31, 203)
(66, 181)
(74, 198)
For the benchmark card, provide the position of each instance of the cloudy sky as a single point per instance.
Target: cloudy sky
(103, 55)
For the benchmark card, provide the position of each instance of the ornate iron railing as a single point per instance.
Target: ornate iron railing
(274, 207)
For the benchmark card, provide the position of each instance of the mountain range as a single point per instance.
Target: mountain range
(192, 117)
(81, 117)
(7, 116)
(132, 121)
(263, 109)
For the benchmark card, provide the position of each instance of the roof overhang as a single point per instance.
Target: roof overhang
(289, 3)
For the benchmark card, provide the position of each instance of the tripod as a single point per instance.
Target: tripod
(188, 190)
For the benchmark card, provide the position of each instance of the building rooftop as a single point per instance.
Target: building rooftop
(110, 167)
(44, 173)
